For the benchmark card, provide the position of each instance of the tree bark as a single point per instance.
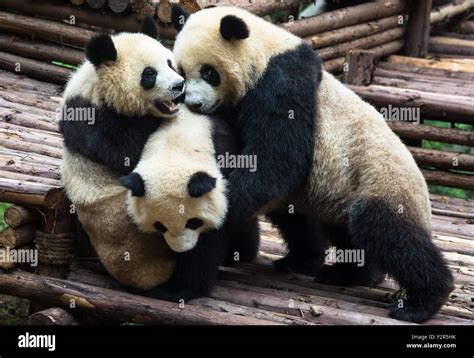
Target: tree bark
(337, 64)
(44, 29)
(345, 17)
(19, 236)
(416, 44)
(442, 107)
(400, 69)
(452, 180)
(118, 6)
(114, 304)
(361, 66)
(36, 69)
(40, 50)
(445, 135)
(54, 316)
(362, 43)
(466, 27)
(15, 216)
(350, 33)
(449, 11)
(442, 159)
(465, 89)
(453, 46)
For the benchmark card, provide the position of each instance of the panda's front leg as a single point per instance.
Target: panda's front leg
(195, 272)
(305, 239)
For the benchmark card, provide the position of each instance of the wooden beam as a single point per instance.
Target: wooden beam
(452, 180)
(32, 68)
(345, 17)
(114, 304)
(447, 12)
(44, 29)
(418, 31)
(445, 135)
(361, 66)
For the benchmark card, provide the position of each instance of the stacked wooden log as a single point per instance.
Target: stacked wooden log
(253, 293)
(440, 89)
(20, 233)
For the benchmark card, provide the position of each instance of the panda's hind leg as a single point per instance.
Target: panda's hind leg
(306, 243)
(402, 248)
(348, 273)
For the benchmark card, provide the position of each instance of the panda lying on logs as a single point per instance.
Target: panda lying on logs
(129, 87)
(321, 150)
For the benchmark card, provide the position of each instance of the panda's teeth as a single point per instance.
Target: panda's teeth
(167, 107)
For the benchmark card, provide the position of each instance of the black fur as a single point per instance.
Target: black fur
(196, 270)
(233, 28)
(200, 183)
(113, 138)
(396, 244)
(178, 17)
(149, 27)
(134, 183)
(101, 49)
(306, 242)
(276, 122)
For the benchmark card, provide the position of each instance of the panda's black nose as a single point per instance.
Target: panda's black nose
(179, 87)
(196, 106)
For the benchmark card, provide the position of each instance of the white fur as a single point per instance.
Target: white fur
(117, 84)
(176, 151)
(240, 63)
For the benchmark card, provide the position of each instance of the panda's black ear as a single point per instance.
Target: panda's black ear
(134, 182)
(234, 28)
(149, 27)
(101, 49)
(179, 16)
(200, 183)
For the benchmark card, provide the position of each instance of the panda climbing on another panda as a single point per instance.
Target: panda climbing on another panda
(129, 83)
(328, 164)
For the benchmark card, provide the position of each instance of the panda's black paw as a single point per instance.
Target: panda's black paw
(348, 275)
(301, 265)
(169, 293)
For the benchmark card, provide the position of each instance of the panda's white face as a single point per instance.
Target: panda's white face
(179, 210)
(144, 76)
(131, 73)
(204, 92)
(222, 52)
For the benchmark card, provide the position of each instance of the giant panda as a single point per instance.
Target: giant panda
(330, 171)
(183, 196)
(128, 85)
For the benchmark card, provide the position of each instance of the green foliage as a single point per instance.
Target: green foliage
(65, 65)
(3, 206)
(436, 189)
(13, 310)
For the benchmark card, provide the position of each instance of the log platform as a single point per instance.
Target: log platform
(427, 66)
(30, 151)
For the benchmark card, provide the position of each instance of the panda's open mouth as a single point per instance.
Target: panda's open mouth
(167, 107)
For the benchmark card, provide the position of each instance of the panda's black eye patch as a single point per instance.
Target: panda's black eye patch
(181, 72)
(194, 224)
(160, 227)
(210, 75)
(148, 78)
(170, 64)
